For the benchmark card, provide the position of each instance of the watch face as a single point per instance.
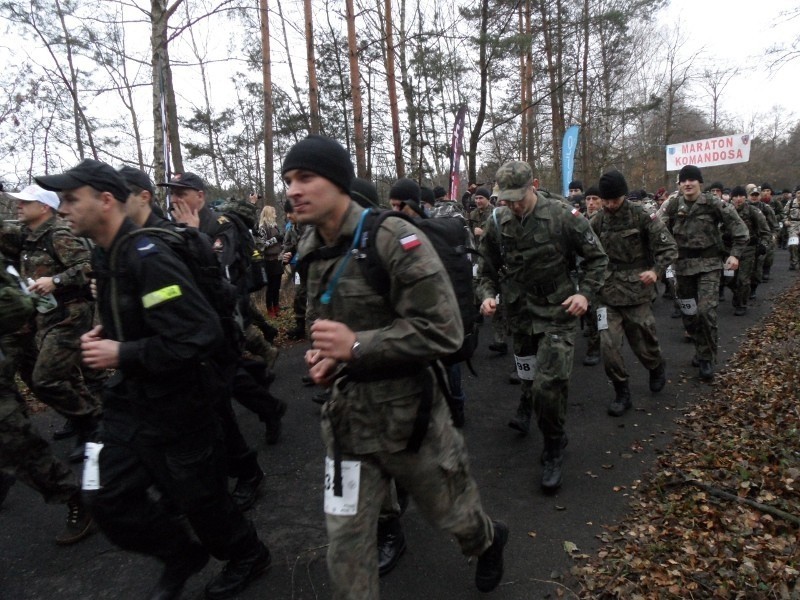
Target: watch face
(57, 280)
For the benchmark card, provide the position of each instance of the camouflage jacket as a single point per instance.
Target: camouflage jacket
(769, 215)
(376, 397)
(791, 212)
(529, 262)
(478, 218)
(696, 228)
(50, 250)
(756, 224)
(447, 208)
(635, 241)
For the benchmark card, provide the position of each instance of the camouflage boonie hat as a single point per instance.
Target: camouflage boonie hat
(513, 180)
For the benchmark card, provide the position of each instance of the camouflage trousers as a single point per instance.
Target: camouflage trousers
(740, 282)
(763, 264)
(439, 480)
(637, 324)
(702, 326)
(593, 341)
(793, 230)
(500, 324)
(547, 393)
(23, 452)
(50, 362)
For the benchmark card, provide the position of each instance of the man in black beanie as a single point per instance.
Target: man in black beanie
(698, 221)
(365, 193)
(406, 196)
(624, 307)
(375, 353)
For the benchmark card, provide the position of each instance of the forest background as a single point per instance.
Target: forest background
(235, 83)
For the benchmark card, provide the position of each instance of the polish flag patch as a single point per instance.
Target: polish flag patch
(575, 212)
(410, 242)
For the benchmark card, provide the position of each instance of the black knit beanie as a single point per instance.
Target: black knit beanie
(766, 186)
(323, 156)
(592, 190)
(575, 185)
(365, 193)
(690, 172)
(439, 192)
(482, 191)
(738, 191)
(409, 192)
(612, 186)
(716, 186)
(426, 195)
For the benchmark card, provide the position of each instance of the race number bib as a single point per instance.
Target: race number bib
(475, 270)
(346, 504)
(728, 273)
(602, 318)
(688, 306)
(91, 466)
(670, 272)
(526, 367)
(794, 240)
(297, 278)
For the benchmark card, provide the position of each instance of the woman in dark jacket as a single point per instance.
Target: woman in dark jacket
(270, 237)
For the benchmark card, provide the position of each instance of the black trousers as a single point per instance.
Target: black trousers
(190, 470)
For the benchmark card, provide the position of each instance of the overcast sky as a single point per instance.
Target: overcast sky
(739, 32)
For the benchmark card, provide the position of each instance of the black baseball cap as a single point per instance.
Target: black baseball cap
(138, 178)
(98, 175)
(187, 181)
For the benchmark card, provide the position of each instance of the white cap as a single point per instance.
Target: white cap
(33, 193)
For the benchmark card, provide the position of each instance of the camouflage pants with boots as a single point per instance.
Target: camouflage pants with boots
(637, 324)
(702, 326)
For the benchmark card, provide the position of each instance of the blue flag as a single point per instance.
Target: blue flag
(568, 156)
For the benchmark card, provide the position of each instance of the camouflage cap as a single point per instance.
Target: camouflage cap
(514, 178)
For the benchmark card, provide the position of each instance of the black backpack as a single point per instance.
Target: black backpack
(250, 260)
(450, 240)
(197, 253)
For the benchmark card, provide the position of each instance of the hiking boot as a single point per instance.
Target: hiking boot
(553, 461)
(591, 360)
(522, 420)
(739, 311)
(274, 424)
(391, 544)
(622, 401)
(658, 377)
(246, 491)
(238, 574)
(706, 370)
(79, 523)
(67, 430)
(489, 571)
(174, 577)
(499, 347)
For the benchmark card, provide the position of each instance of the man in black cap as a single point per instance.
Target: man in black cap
(387, 416)
(159, 426)
(698, 221)
(639, 249)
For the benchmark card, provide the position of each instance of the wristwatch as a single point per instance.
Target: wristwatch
(356, 350)
(57, 281)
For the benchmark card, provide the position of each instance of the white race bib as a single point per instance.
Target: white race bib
(728, 273)
(526, 367)
(475, 270)
(670, 272)
(91, 466)
(794, 240)
(297, 278)
(602, 318)
(688, 306)
(347, 503)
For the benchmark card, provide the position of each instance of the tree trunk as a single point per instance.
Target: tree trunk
(266, 70)
(483, 66)
(391, 82)
(408, 89)
(313, 86)
(300, 105)
(355, 91)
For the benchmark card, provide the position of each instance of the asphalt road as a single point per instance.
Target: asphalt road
(605, 459)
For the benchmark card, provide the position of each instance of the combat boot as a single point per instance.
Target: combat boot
(489, 572)
(238, 574)
(299, 331)
(622, 401)
(79, 523)
(522, 420)
(553, 460)
(176, 573)
(706, 370)
(391, 544)
(658, 377)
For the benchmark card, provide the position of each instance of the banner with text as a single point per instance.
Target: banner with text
(723, 150)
